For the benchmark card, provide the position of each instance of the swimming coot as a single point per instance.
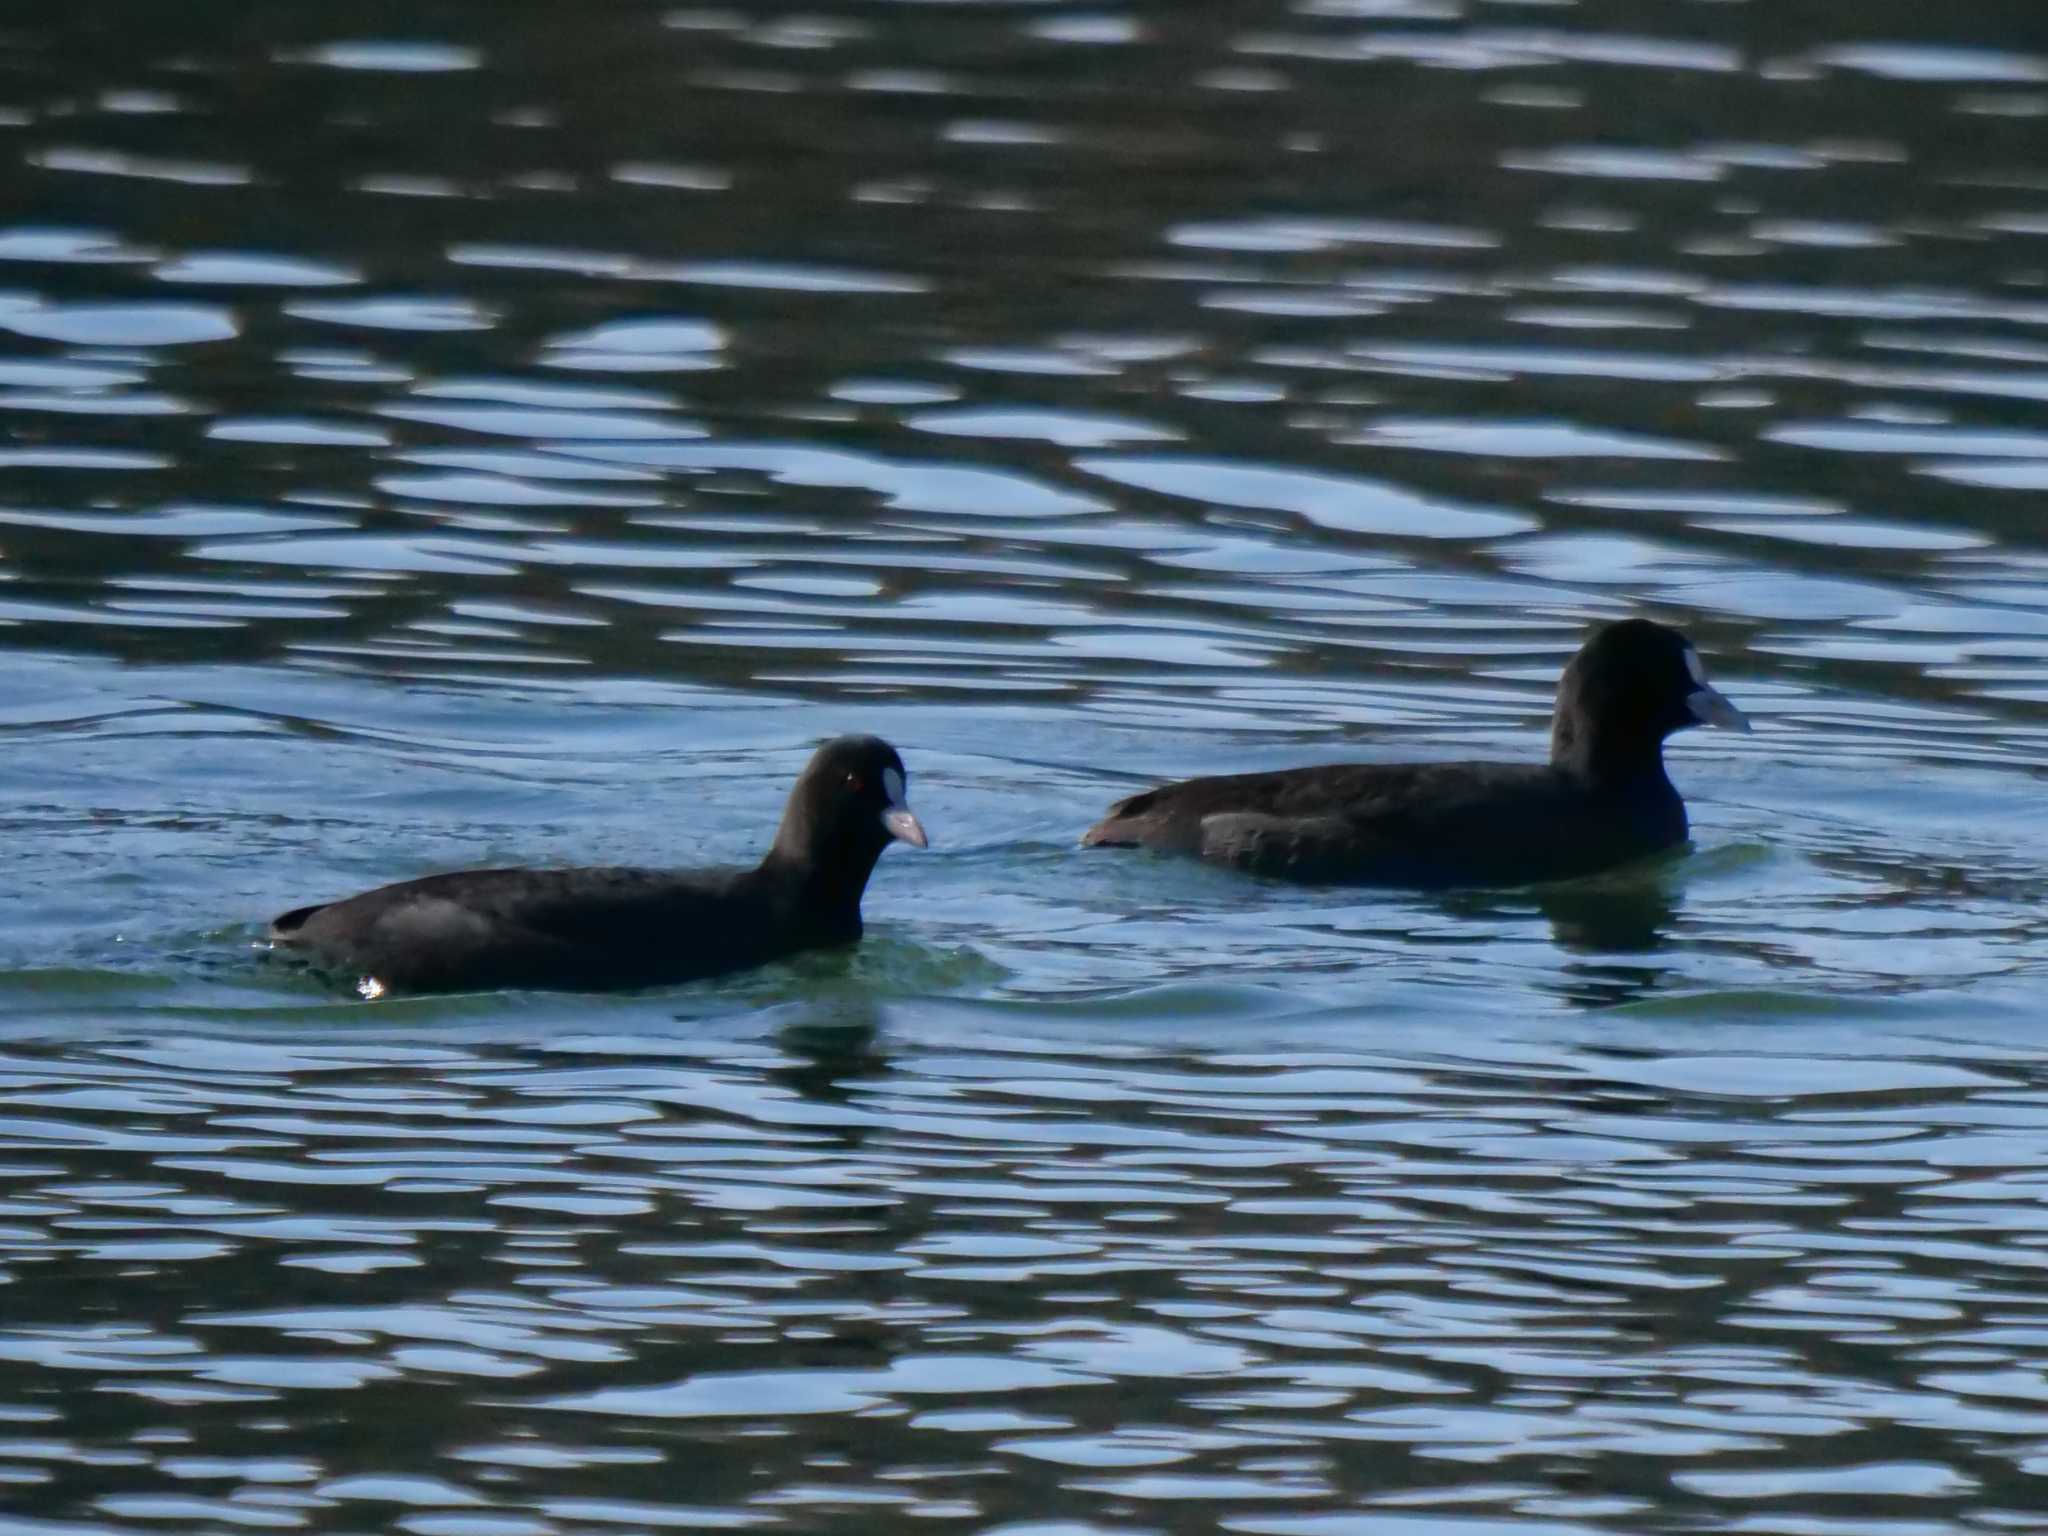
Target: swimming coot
(1601, 800)
(599, 929)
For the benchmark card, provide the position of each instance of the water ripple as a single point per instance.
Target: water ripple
(435, 444)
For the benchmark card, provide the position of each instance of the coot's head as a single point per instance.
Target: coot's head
(1630, 686)
(850, 803)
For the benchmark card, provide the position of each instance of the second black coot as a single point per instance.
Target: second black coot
(608, 928)
(1603, 798)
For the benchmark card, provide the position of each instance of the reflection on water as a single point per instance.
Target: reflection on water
(460, 435)
(455, 1287)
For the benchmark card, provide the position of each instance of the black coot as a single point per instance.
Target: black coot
(1601, 800)
(599, 929)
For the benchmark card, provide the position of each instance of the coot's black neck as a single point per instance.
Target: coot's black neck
(827, 878)
(1611, 755)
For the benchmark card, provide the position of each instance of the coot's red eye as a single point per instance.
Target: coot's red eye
(853, 782)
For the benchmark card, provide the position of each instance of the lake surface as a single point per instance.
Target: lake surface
(438, 434)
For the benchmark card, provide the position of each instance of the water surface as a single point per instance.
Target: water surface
(442, 435)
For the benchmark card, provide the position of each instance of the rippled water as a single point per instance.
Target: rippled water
(439, 434)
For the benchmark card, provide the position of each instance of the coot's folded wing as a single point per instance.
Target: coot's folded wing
(1394, 823)
(1171, 816)
(508, 927)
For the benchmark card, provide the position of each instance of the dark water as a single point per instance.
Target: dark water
(433, 434)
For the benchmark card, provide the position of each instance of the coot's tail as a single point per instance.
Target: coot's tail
(1110, 832)
(284, 929)
(1122, 825)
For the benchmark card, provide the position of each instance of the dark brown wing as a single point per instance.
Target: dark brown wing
(1426, 824)
(1172, 817)
(535, 927)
